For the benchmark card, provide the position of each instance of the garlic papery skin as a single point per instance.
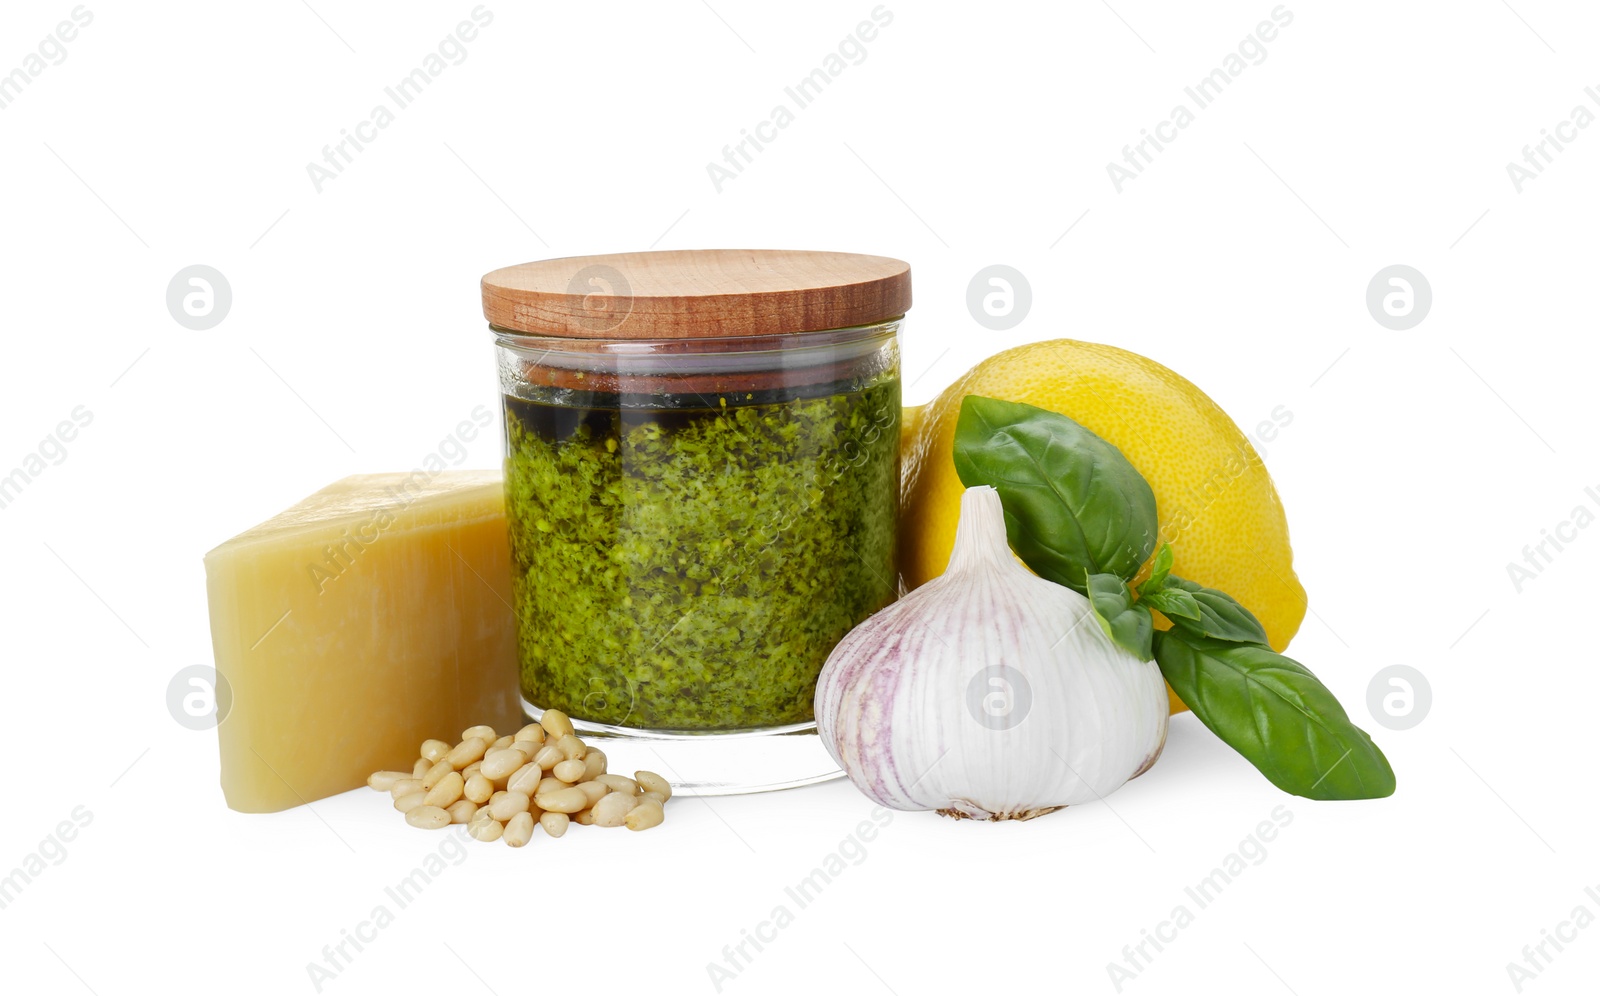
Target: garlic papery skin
(988, 692)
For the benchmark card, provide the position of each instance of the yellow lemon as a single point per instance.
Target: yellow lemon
(1214, 500)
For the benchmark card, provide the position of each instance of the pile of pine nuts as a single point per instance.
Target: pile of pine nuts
(500, 786)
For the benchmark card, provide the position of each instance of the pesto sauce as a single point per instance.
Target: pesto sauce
(689, 566)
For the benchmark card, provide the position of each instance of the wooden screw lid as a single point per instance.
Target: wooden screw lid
(696, 293)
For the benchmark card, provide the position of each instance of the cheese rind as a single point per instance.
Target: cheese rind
(369, 617)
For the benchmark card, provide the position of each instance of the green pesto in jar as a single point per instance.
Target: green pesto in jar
(690, 565)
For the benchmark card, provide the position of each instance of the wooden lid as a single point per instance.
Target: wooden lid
(696, 293)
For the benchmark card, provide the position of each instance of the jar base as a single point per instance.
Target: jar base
(734, 762)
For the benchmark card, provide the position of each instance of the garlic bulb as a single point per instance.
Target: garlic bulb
(989, 692)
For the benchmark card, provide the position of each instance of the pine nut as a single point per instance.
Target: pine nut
(500, 786)
(555, 723)
(652, 782)
(383, 781)
(478, 789)
(507, 805)
(613, 810)
(406, 803)
(518, 831)
(572, 747)
(440, 768)
(428, 818)
(549, 756)
(467, 751)
(501, 763)
(566, 800)
(619, 783)
(526, 780)
(446, 792)
(485, 830)
(645, 815)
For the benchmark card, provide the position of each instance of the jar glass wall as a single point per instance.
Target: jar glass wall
(695, 523)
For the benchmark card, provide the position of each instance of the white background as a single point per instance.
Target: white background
(1417, 465)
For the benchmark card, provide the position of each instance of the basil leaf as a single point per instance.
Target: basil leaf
(1158, 570)
(1127, 623)
(1277, 714)
(1220, 617)
(1174, 603)
(1074, 504)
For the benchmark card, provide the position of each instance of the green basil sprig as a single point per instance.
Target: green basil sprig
(1201, 611)
(1079, 514)
(1074, 504)
(1127, 623)
(1277, 714)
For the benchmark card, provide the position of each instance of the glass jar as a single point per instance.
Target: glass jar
(697, 517)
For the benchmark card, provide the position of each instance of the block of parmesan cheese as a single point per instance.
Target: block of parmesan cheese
(370, 617)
